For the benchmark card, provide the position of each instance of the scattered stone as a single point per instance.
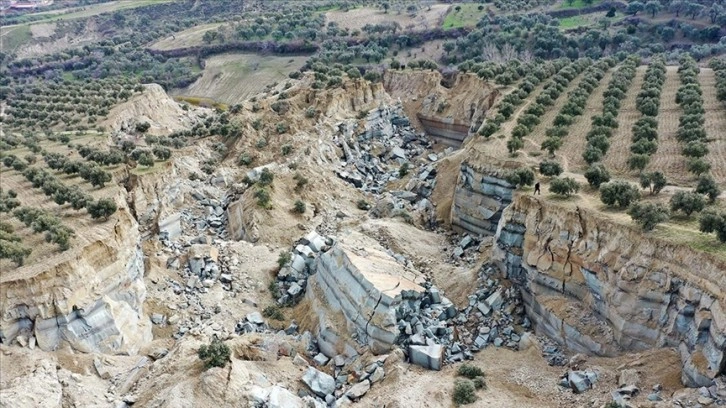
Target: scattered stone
(320, 383)
(157, 319)
(255, 318)
(320, 359)
(377, 375)
(429, 357)
(628, 377)
(358, 390)
(158, 353)
(101, 369)
(298, 360)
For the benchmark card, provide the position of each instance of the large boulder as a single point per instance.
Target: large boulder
(320, 383)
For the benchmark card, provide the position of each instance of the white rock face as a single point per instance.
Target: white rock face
(40, 388)
(366, 286)
(91, 298)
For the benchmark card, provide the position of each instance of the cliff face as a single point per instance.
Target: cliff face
(599, 287)
(447, 108)
(91, 298)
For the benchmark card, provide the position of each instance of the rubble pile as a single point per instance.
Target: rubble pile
(292, 278)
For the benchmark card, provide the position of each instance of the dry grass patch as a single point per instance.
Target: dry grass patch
(355, 19)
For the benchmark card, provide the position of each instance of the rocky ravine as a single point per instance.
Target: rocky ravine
(595, 286)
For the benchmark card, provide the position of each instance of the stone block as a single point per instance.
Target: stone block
(430, 357)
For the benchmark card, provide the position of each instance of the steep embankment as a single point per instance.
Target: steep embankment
(596, 286)
(90, 297)
(448, 109)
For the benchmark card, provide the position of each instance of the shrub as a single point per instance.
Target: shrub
(162, 153)
(214, 355)
(281, 127)
(263, 198)
(363, 205)
(707, 185)
(299, 207)
(464, 392)
(284, 258)
(654, 181)
(648, 215)
(261, 143)
(102, 208)
(146, 159)
(245, 159)
(713, 222)
(266, 177)
(638, 161)
(521, 177)
(273, 312)
(142, 127)
(618, 193)
(550, 168)
(565, 186)
(597, 174)
(688, 202)
(300, 182)
(470, 371)
(286, 149)
(403, 170)
(698, 166)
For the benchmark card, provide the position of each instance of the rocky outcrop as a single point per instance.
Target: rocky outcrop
(354, 293)
(480, 197)
(602, 288)
(90, 297)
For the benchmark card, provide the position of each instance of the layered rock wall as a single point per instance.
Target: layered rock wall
(90, 297)
(355, 296)
(597, 286)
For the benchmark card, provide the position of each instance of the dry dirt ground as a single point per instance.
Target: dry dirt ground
(425, 18)
(232, 78)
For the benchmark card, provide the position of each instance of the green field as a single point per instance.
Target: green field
(14, 37)
(568, 4)
(574, 21)
(467, 16)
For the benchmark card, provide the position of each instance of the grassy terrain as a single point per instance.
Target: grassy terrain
(574, 21)
(187, 38)
(88, 11)
(567, 4)
(468, 16)
(232, 78)
(12, 38)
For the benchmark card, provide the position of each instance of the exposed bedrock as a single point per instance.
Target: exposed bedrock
(353, 293)
(90, 299)
(597, 286)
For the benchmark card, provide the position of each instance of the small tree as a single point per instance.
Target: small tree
(618, 193)
(263, 198)
(698, 166)
(648, 215)
(688, 202)
(146, 159)
(266, 177)
(162, 153)
(403, 170)
(550, 168)
(654, 181)
(142, 127)
(514, 144)
(565, 186)
(299, 207)
(102, 208)
(214, 355)
(597, 174)
(638, 161)
(707, 185)
(713, 222)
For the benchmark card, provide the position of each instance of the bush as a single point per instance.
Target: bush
(550, 168)
(688, 202)
(266, 177)
(286, 149)
(521, 177)
(284, 258)
(464, 392)
(597, 174)
(479, 383)
(214, 355)
(146, 159)
(707, 185)
(403, 170)
(245, 159)
(273, 312)
(654, 181)
(638, 161)
(363, 205)
(101, 208)
(299, 207)
(618, 193)
(162, 153)
(300, 182)
(263, 198)
(565, 186)
(698, 166)
(648, 215)
(470, 371)
(713, 222)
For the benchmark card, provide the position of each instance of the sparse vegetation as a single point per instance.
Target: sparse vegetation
(216, 354)
(648, 215)
(565, 186)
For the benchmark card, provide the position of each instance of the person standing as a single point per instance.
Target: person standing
(536, 189)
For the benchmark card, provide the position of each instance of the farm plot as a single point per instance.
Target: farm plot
(232, 78)
(188, 38)
(426, 18)
(534, 140)
(576, 139)
(668, 158)
(715, 126)
(616, 160)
